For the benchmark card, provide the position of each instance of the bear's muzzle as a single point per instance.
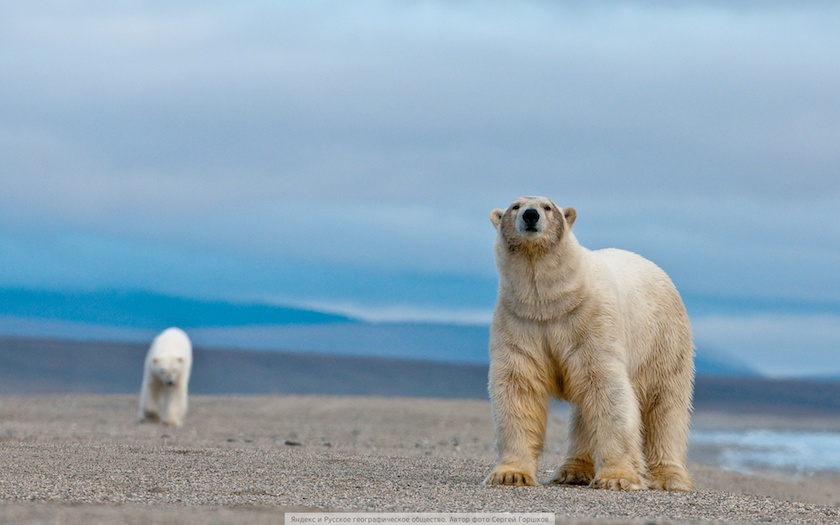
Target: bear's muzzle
(531, 217)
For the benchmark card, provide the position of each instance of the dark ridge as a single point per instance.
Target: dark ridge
(52, 366)
(749, 395)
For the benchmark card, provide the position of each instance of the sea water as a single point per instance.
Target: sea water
(801, 453)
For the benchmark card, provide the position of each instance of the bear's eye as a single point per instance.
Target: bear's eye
(514, 207)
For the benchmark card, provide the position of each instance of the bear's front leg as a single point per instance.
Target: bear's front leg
(520, 408)
(177, 406)
(149, 400)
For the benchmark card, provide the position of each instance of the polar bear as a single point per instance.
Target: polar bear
(166, 376)
(605, 330)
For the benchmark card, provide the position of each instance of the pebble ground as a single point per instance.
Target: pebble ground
(84, 459)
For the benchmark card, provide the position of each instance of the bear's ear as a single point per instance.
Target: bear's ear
(570, 214)
(496, 217)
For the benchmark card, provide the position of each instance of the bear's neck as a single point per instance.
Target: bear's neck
(545, 286)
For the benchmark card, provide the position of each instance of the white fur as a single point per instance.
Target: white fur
(166, 377)
(604, 330)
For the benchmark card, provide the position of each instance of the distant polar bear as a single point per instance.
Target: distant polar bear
(605, 330)
(166, 376)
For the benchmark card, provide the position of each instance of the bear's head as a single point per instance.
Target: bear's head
(168, 370)
(532, 225)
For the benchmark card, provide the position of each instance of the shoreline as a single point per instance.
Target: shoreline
(250, 459)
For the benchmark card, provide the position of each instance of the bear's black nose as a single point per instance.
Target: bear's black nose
(531, 216)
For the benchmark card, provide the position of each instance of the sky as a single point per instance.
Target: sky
(345, 156)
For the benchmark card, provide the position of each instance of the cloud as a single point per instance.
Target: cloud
(606, 99)
(377, 136)
(776, 345)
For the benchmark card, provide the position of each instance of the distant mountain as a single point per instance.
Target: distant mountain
(136, 309)
(712, 362)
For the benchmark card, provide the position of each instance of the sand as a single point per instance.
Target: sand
(84, 459)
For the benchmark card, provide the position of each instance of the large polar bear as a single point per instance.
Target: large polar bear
(166, 376)
(605, 330)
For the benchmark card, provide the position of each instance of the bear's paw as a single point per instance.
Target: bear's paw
(574, 472)
(623, 480)
(672, 479)
(507, 475)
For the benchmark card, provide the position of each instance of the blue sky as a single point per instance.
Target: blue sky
(346, 155)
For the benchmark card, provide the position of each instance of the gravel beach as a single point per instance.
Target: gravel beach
(85, 459)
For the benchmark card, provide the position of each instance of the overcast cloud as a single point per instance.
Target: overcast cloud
(348, 154)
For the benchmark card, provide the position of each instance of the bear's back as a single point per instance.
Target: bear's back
(646, 297)
(639, 286)
(630, 270)
(172, 342)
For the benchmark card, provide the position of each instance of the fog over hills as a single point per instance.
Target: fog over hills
(137, 316)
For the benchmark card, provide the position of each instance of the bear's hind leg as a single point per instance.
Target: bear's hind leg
(610, 410)
(666, 423)
(578, 468)
(667, 465)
